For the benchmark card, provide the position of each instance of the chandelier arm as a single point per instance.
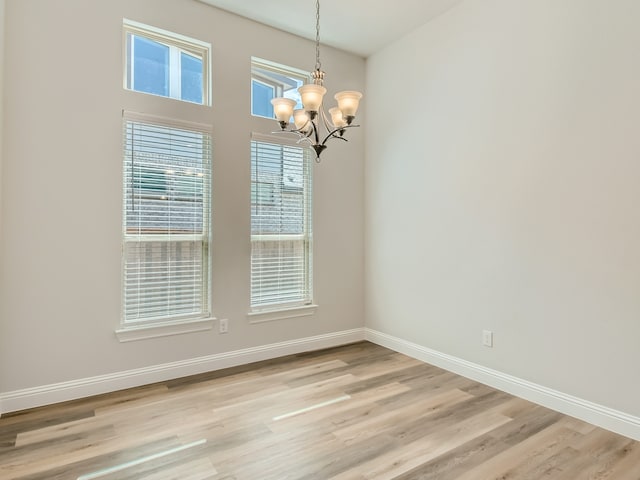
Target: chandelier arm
(301, 132)
(305, 139)
(301, 135)
(307, 134)
(315, 131)
(332, 133)
(325, 121)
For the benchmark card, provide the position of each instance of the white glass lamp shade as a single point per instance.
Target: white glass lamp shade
(301, 119)
(312, 95)
(283, 108)
(348, 102)
(336, 117)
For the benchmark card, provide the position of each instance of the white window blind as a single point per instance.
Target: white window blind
(166, 219)
(281, 241)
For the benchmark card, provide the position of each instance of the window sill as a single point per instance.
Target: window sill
(282, 314)
(144, 332)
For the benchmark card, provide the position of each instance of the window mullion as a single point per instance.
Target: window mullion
(175, 70)
(131, 78)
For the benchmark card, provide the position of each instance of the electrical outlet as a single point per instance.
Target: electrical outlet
(223, 326)
(487, 338)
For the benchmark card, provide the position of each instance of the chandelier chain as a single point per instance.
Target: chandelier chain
(318, 64)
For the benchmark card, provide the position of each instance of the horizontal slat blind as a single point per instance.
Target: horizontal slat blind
(166, 218)
(281, 253)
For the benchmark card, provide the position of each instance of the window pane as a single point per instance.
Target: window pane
(261, 96)
(191, 78)
(150, 66)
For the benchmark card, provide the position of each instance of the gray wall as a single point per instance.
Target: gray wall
(61, 189)
(2, 8)
(505, 196)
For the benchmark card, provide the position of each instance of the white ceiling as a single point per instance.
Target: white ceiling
(359, 26)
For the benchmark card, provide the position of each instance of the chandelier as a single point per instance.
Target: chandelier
(311, 123)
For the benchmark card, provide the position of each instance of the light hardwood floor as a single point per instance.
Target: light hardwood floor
(354, 412)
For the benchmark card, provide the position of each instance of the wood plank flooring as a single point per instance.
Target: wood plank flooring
(349, 413)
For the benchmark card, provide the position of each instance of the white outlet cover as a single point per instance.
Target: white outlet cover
(487, 338)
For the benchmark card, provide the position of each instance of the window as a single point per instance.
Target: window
(270, 80)
(166, 64)
(166, 218)
(281, 242)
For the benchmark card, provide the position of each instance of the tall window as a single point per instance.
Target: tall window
(166, 213)
(166, 64)
(281, 241)
(270, 80)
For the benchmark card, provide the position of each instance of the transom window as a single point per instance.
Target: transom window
(270, 80)
(167, 64)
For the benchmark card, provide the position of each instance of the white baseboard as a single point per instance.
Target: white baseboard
(607, 418)
(599, 415)
(85, 387)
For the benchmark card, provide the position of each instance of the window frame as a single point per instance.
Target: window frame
(177, 44)
(177, 324)
(261, 312)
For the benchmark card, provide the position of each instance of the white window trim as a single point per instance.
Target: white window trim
(175, 42)
(282, 313)
(165, 329)
(279, 68)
